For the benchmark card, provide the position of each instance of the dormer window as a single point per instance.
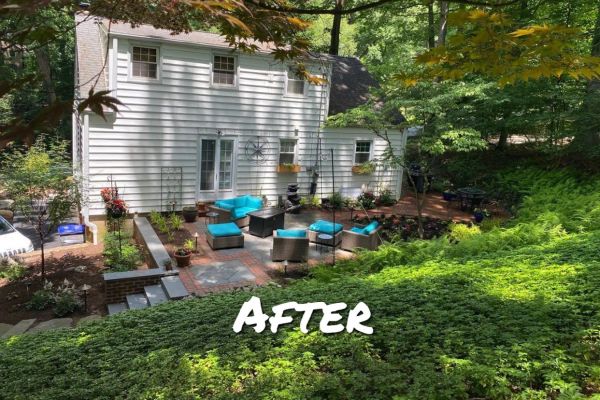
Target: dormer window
(144, 62)
(295, 82)
(223, 71)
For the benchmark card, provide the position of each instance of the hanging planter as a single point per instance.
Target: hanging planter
(367, 168)
(116, 208)
(288, 168)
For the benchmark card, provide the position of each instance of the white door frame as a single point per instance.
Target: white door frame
(216, 193)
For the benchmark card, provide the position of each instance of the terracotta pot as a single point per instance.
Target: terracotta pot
(189, 214)
(183, 261)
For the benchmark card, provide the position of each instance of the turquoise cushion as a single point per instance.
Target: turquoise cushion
(240, 212)
(222, 230)
(240, 201)
(371, 227)
(254, 202)
(225, 204)
(358, 230)
(325, 227)
(291, 233)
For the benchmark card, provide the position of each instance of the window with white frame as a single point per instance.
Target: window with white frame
(223, 71)
(287, 151)
(144, 62)
(295, 82)
(362, 152)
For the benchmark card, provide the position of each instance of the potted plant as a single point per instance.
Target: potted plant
(449, 195)
(289, 168)
(183, 256)
(189, 213)
(366, 168)
(480, 214)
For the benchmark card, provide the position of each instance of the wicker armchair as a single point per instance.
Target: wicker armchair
(352, 240)
(290, 249)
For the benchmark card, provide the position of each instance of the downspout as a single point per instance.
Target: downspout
(84, 173)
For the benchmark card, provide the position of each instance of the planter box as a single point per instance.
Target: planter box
(287, 169)
(357, 170)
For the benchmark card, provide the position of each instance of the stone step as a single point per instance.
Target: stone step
(155, 294)
(55, 323)
(137, 301)
(4, 328)
(174, 287)
(19, 328)
(116, 308)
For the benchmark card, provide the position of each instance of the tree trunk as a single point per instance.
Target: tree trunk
(444, 8)
(43, 63)
(43, 258)
(588, 137)
(503, 139)
(430, 26)
(336, 28)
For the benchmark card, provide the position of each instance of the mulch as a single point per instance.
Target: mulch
(59, 266)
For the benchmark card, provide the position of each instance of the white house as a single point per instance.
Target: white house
(202, 122)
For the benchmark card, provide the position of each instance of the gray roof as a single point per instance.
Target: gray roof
(350, 81)
(350, 84)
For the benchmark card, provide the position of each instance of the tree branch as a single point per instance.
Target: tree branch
(336, 11)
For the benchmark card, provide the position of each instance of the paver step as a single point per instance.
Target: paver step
(155, 294)
(4, 328)
(174, 288)
(55, 323)
(19, 328)
(137, 301)
(116, 308)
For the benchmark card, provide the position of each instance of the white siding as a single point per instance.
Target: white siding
(161, 123)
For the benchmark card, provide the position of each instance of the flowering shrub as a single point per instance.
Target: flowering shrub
(366, 200)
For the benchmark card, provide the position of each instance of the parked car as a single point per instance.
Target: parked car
(12, 241)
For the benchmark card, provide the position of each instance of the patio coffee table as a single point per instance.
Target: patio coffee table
(470, 197)
(264, 222)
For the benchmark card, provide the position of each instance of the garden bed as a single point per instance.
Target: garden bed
(405, 227)
(15, 294)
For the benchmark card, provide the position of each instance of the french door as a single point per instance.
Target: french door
(217, 174)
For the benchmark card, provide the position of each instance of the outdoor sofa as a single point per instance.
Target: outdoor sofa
(236, 209)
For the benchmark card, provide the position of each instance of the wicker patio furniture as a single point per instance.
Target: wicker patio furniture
(327, 227)
(290, 248)
(358, 238)
(236, 209)
(224, 236)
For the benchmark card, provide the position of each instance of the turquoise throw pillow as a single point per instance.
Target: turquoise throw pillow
(371, 227)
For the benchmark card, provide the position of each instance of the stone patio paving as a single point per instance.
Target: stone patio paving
(228, 269)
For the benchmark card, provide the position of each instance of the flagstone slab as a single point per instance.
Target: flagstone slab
(55, 323)
(222, 273)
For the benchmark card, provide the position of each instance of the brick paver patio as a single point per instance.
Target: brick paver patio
(213, 271)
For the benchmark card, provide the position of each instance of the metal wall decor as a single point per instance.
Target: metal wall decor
(257, 150)
(171, 196)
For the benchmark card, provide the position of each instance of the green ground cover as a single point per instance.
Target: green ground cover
(495, 313)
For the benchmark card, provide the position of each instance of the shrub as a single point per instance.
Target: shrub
(155, 217)
(65, 304)
(336, 200)
(40, 300)
(11, 270)
(386, 198)
(123, 257)
(175, 222)
(366, 200)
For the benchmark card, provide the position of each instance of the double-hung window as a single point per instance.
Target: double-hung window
(287, 151)
(295, 83)
(144, 62)
(362, 152)
(224, 71)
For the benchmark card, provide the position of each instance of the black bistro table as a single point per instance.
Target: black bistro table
(263, 222)
(470, 197)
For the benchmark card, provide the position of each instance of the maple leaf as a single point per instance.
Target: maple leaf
(97, 101)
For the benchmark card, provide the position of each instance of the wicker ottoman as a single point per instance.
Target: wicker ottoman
(224, 236)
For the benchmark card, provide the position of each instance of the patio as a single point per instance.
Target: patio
(217, 270)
